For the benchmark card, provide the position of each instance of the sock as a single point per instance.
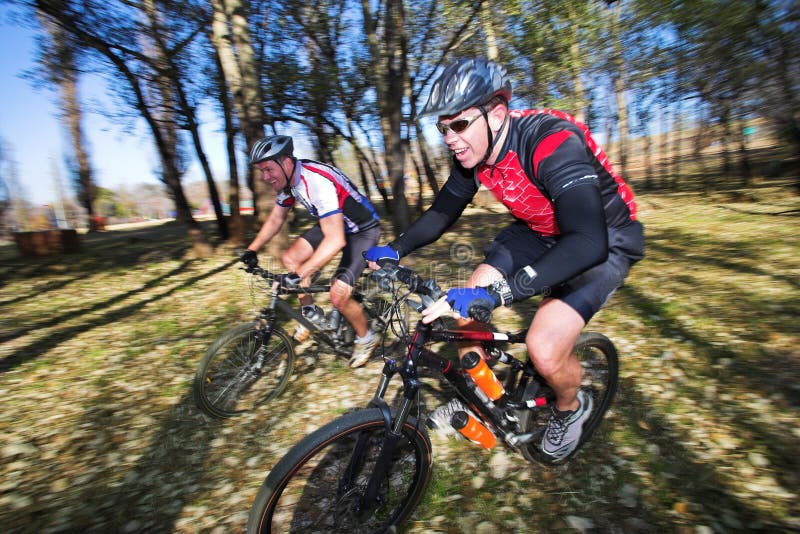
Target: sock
(366, 339)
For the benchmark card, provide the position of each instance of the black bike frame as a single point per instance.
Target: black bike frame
(418, 355)
(269, 316)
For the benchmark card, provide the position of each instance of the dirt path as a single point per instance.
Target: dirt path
(98, 431)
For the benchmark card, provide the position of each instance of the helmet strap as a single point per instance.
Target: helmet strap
(492, 139)
(288, 188)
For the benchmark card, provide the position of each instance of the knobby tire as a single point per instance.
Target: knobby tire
(600, 363)
(317, 485)
(243, 369)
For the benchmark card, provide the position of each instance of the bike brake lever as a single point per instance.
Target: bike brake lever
(383, 278)
(433, 291)
(416, 305)
(427, 301)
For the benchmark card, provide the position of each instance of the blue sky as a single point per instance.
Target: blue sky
(30, 128)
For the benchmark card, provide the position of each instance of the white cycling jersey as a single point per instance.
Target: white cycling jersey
(325, 190)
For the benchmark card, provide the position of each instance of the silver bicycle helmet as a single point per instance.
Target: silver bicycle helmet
(270, 148)
(467, 83)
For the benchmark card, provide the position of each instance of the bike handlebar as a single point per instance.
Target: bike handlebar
(416, 284)
(426, 288)
(273, 277)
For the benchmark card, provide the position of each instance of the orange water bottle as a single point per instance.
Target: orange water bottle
(473, 430)
(482, 375)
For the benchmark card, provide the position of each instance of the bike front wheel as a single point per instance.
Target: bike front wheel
(246, 367)
(598, 358)
(319, 485)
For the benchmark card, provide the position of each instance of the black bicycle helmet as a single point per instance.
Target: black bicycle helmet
(467, 83)
(269, 148)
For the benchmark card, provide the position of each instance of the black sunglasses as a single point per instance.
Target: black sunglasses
(457, 126)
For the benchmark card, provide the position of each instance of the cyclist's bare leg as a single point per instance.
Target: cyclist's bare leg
(293, 257)
(483, 275)
(550, 340)
(341, 294)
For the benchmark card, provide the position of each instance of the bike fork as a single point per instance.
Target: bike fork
(392, 436)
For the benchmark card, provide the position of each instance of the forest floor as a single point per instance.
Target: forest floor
(99, 432)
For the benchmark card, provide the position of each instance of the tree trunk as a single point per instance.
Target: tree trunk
(745, 166)
(487, 17)
(231, 38)
(374, 169)
(430, 172)
(87, 191)
(61, 67)
(725, 120)
(251, 101)
(237, 223)
(699, 142)
(579, 98)
(677, 147)
(389, 68)
(648, 159)
(171, 72)
(665, 155)
(788, 84)
(419, 205)
(165, 125)
(364, 182)
(619, 88)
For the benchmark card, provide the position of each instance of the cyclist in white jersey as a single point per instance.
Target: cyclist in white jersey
(347, 223)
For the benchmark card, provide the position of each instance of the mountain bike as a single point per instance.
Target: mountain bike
(367, 470)
(251, 364)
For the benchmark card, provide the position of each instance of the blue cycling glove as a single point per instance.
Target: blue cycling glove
(472, 302)
(385, 252)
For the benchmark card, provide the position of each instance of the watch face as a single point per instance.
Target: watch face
(503, 290)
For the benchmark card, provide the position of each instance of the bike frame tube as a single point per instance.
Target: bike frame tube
(283, 306)
(456, 336)
(451, 370)
(418, 354)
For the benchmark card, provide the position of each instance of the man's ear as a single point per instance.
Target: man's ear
(496, 116)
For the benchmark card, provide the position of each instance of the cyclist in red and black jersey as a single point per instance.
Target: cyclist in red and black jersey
(347, 223)
(573, 239)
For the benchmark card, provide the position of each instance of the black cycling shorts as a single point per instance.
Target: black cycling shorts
(517, 246)
(352, 263)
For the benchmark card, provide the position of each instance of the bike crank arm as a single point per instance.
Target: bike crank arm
(516, 440)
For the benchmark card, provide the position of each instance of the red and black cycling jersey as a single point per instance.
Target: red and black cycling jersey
(546, 153)
(552, 176)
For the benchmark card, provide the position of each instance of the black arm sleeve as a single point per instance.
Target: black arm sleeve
(445, 210)
(583, 243)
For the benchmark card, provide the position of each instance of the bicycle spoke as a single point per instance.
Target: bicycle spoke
(244, 369)
(324, 490)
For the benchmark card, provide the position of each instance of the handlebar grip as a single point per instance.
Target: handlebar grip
(480, 313)
(383, 262)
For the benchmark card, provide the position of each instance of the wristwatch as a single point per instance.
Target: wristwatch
(502, 290)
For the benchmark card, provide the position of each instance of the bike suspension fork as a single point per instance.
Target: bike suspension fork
(393, 434)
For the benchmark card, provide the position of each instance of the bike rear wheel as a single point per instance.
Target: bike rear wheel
(318, 485)
(243, 369)
(598, 357)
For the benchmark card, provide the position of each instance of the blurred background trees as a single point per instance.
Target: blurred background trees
(693, 93)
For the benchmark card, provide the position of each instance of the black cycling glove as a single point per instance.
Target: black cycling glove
(249, 258)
